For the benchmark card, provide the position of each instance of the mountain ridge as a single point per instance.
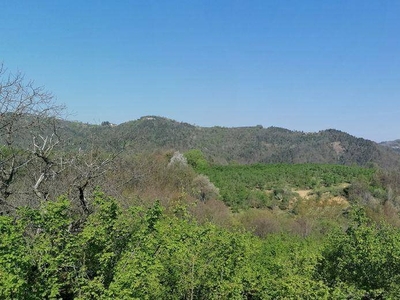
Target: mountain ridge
(225, 145)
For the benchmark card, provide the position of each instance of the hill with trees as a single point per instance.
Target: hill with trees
(242, 145)
(395, 145)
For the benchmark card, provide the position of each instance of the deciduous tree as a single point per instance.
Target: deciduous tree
(28, 132)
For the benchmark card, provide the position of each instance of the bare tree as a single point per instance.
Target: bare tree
(46, 165)
(28, 116)
(34, 165)
(87, 168)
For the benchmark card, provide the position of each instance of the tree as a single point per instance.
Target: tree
(86, 168)
(196, 159)
(27, 113)
(34, 166)
(203, 189)
(177, 160)
(365, 257)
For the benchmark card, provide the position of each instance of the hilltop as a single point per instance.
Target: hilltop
(242, 145)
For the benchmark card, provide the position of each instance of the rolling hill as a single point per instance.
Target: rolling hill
(243, 145)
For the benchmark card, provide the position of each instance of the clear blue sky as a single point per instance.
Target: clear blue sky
(302, 65)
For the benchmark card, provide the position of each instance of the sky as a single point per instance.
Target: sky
(301, 65)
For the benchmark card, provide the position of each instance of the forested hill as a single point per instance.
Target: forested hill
(242, 145)
(395, 145)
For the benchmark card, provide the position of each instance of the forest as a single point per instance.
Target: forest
(91, 212)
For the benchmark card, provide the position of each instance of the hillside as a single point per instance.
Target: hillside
(243, 145)
(394, 145)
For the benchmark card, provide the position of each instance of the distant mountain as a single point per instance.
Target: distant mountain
(395, 145)
(243, 145)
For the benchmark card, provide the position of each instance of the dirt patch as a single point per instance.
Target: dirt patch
(304, 193)
(339, 200)
(337, 146)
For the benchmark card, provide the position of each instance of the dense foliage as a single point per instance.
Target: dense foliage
(47, 253)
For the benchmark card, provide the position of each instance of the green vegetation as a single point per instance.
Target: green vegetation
(148, 253)
(199, 224)
(243, 186)
(185, 246)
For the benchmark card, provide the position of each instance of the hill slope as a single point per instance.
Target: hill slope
(394, 145)
(242, 145)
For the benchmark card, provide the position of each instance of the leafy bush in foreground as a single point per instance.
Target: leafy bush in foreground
(50, 253)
